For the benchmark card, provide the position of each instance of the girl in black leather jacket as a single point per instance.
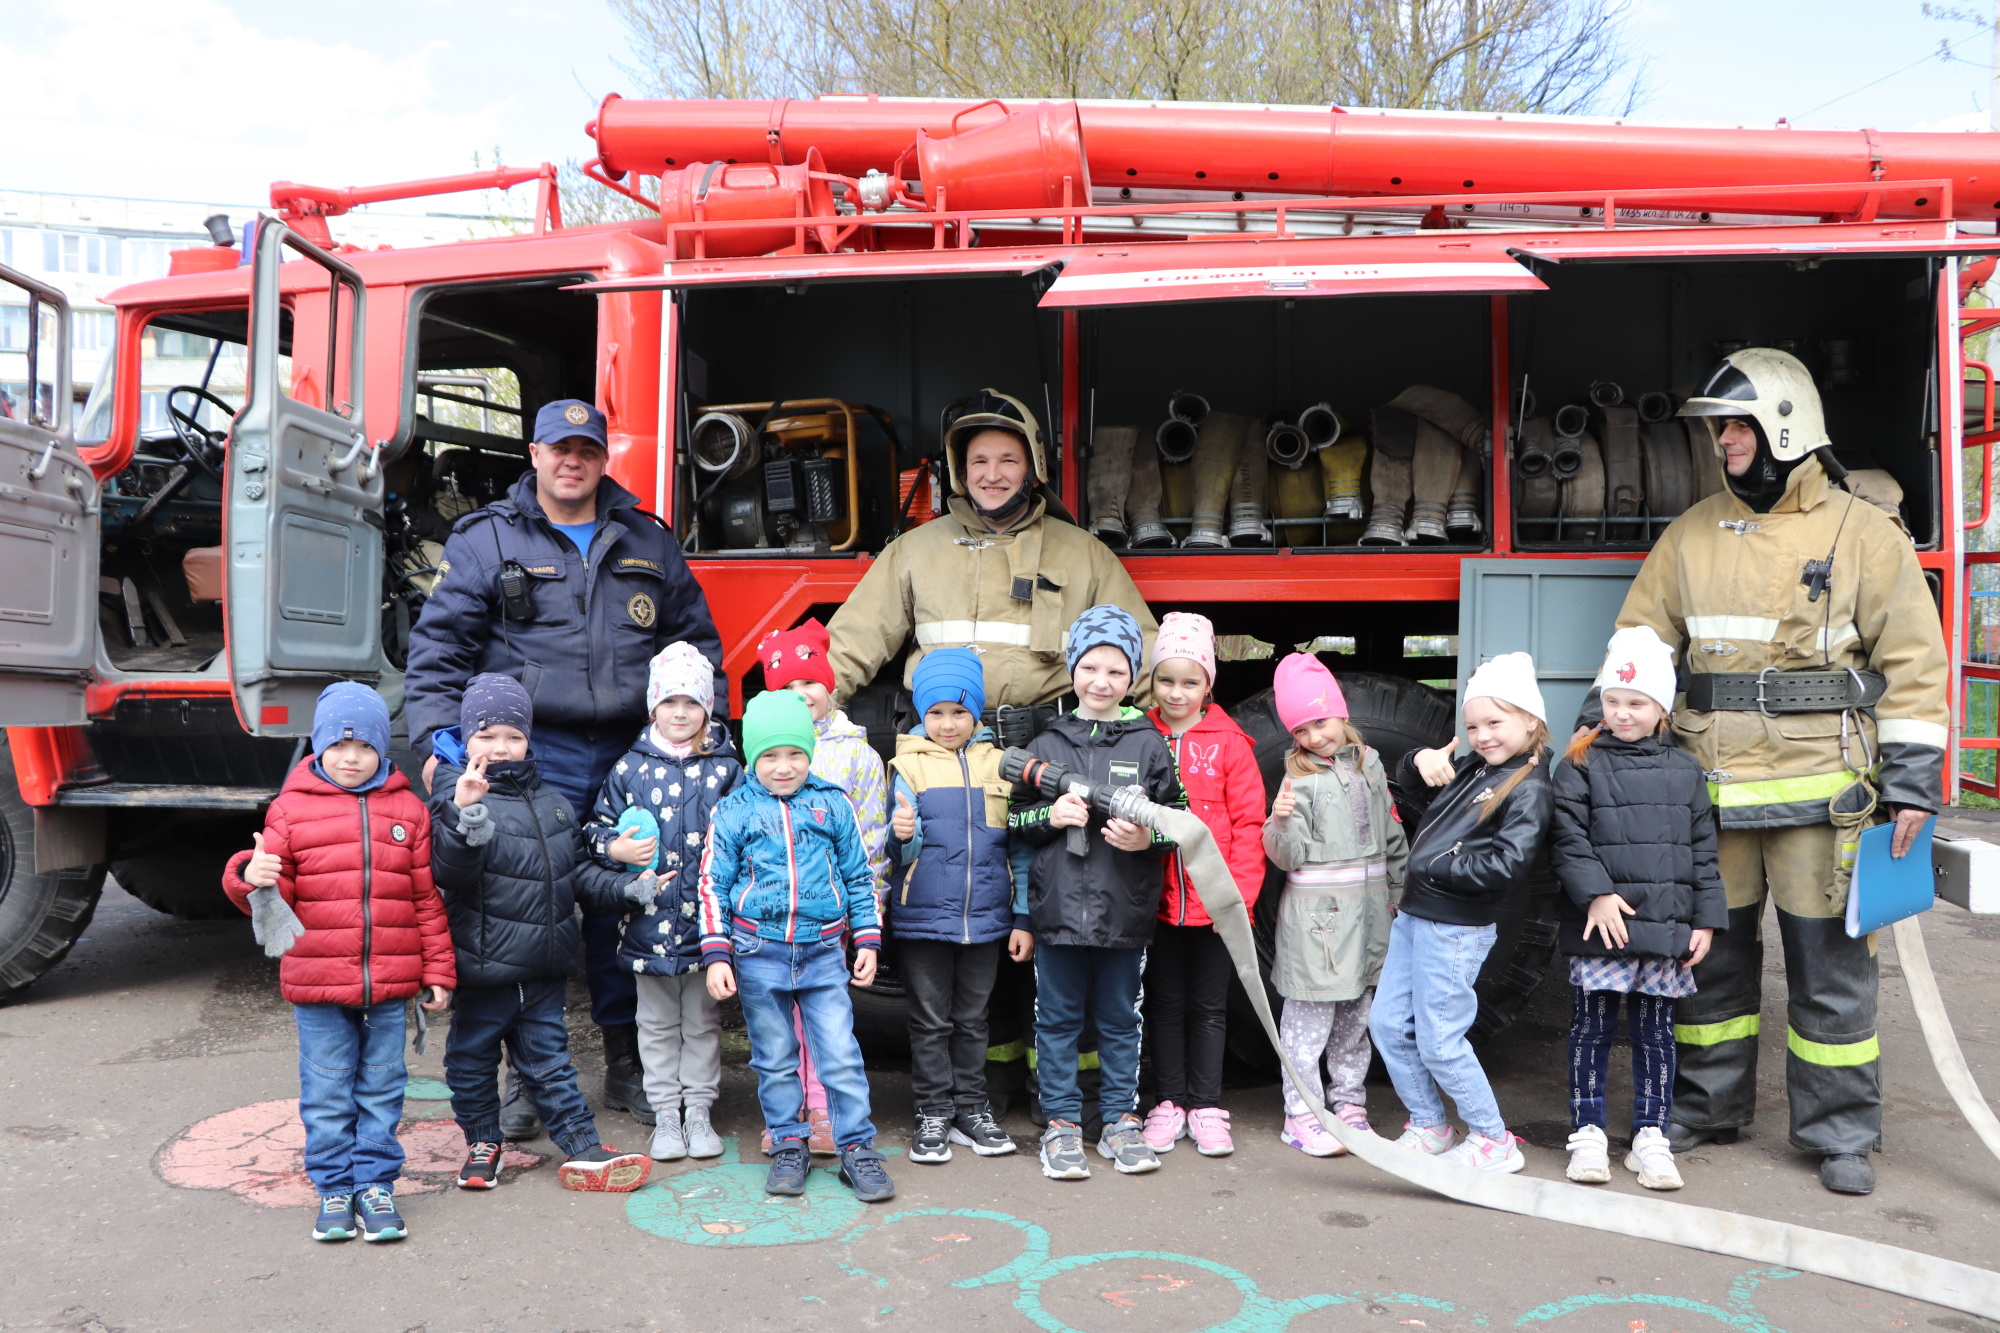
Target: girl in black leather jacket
(1483, 832)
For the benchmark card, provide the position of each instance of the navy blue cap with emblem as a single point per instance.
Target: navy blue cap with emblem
(569, 418)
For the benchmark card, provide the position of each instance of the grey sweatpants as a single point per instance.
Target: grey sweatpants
(1335, 1032)
(680, 1040)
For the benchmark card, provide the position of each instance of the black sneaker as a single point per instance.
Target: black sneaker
(335, 1219)
(931, 1142)
(376, 1208)
(861, 1171)
(604, 1170)
(789, 1165)
(979, 1131)
(482, 1167)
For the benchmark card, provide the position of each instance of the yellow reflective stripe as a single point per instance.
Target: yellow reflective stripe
(1714, 1034)
(1013, 1050)
(1779, 791)
(1086, 1060)
(1838, 1057)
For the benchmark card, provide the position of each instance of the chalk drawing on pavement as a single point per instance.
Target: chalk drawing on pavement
(258, 1153)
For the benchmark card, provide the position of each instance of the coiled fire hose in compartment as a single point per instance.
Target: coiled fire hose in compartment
(1866, 1263)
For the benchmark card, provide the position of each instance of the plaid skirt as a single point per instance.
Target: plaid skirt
(1667, 977)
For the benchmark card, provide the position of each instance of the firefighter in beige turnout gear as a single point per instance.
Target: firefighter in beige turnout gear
(1002, 572)
(1816, 699)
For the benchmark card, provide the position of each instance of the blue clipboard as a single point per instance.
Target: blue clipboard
(1885, 890)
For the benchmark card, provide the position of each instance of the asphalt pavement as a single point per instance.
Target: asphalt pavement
(150, 1180)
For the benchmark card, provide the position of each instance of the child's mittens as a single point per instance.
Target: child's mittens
(643, 890)
(273, 922)
(639, 825)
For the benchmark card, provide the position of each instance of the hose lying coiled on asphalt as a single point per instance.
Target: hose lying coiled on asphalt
(1866, 1263)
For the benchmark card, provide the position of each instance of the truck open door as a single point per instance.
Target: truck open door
(48, 525)
(303, 499)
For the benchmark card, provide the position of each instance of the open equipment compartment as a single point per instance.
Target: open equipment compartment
(1864, 325)
(1273, 360)
(905, 348)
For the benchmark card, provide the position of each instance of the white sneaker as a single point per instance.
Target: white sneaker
(1653, 1159)
(1433, 1142)
(1589, 1156)
(1484, 1154)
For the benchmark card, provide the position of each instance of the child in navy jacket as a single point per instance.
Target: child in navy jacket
(652, 814)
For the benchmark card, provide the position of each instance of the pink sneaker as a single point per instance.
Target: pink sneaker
(1309, 1136)
(1483, 1154)
(1354, 1117)
(1431, 1141)
(1166, 1125)
(1209, 1128)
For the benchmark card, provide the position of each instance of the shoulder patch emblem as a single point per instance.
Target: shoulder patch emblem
(576, 414)
(444, 568)
(399, 833)
(641, 609)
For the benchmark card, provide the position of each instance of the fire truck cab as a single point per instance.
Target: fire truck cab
(773, 353)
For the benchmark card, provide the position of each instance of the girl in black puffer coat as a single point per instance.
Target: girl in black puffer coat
(1633, 845)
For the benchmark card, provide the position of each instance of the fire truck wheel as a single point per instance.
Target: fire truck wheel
(1396, 716)
(41, 914)
(181, 872)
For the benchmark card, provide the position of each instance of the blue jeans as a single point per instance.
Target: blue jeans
(575, 764)
(1424, 1006)
(351, 1079)
(1070, 978)
(528, 1020)
(771, 978)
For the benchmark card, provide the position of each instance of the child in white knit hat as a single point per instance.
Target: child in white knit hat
(1634, 847)
(1483, 832)
(652, 813)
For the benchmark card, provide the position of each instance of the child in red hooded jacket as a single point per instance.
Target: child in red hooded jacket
(339, 887)
(1187, 967)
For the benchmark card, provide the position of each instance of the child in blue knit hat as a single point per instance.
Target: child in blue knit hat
(956, 894)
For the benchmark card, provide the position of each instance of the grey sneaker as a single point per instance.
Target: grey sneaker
(1062, 1152)
(669, 1143)
(1124, 1143)
(702, 1140)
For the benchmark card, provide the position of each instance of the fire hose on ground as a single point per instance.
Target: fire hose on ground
(1866, 1263)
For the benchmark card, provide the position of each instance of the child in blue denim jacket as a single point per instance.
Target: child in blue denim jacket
(783, 879)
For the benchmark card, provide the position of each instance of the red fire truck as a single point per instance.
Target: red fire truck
(816, 280)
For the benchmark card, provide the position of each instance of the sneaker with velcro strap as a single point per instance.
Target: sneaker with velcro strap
(1062, 1151)
(1123, 1143)
(861, 1170)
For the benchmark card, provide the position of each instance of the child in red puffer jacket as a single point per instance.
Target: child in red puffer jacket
(1187, 967)
(339, 887)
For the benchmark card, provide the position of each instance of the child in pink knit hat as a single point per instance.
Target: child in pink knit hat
(1187, 965)
(1335, 833)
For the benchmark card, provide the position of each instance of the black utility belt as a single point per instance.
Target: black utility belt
(1772, 691)
(1018, 726)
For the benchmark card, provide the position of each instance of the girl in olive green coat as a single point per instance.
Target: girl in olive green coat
(1334, 831)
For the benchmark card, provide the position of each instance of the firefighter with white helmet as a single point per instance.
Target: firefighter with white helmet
(1003, 572)
(1814, 671)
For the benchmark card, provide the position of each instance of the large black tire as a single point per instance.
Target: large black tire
(1395, 716)
(41, 915)
(180, 873)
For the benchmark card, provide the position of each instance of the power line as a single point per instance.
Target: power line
(1890, 75)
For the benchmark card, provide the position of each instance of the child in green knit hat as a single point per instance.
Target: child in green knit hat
(783, 880)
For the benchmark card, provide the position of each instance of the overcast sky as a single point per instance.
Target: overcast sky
(214, 99)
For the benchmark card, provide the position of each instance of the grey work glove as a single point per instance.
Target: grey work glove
(273, 922)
